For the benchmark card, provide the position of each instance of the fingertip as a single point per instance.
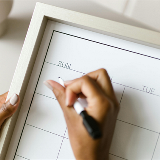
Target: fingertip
(9, 108)
(14, 99)
(70, 98)
(48, 84)
(52, 85)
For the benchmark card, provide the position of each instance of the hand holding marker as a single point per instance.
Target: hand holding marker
(89, 122)
(102, 105)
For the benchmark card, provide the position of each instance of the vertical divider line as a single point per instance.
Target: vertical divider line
(122, 95)
(33, 95)
(61, 144)
(155, 146)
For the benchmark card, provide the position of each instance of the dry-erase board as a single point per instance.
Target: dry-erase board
(67, 44)
(70, 52)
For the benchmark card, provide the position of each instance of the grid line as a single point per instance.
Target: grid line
(117, 156)
(137, 126)
(61, 145)
(65, 68)
(122, 95)
(155, 146)
(22, 157)
(46, 131)
(46, 96)
(136, 89)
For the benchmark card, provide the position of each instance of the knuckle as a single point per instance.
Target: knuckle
(115, 105)
(103, 71)
(109, 104)
(85, 78)
(7, 108)
(115, 102)
(58, 94)
(106, 106)
(101, 101)
(3, 107)
(2, 99)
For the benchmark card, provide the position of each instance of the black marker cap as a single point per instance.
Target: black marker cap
(91, 125)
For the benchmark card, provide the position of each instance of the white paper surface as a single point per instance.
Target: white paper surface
(69, 52)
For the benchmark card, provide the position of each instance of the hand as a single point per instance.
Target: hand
(103, 106)
(8, 108)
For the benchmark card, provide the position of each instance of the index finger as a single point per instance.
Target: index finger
(85, 85)
(102, 78)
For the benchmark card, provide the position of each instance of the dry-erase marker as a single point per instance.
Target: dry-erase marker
(89, 122)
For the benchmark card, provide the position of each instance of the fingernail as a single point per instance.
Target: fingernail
(14, 99)
(48, 85)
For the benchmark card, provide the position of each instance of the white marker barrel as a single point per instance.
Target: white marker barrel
(78, 107)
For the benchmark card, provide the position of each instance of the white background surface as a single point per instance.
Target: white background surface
(141, 13)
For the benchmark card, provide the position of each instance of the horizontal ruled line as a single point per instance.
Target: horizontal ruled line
(46, 131)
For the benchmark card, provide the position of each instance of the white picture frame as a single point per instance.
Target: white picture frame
(44, 12)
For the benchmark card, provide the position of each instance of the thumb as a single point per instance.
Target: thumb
(58, 90)
(8, 108)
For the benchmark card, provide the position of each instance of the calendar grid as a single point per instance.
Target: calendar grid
(83, 74)
(117, 119)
